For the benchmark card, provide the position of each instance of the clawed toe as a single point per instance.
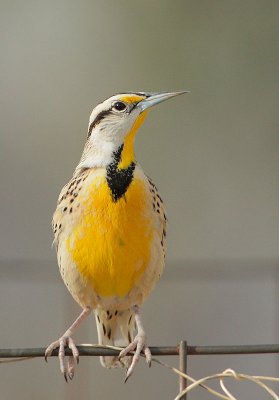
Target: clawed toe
(138, 345)
(148, 356)
(71, 367)
(50, 348)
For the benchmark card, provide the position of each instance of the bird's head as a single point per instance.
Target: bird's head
(113, 125)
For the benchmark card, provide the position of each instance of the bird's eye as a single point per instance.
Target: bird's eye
(119, 106)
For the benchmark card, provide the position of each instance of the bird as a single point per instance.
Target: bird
(110, 233)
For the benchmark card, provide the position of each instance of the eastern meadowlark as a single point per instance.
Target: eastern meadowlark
(110, 228)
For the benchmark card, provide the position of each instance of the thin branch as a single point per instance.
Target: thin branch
(97, 350)
(10, 355)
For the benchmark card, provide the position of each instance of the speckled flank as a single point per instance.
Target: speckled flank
(158, 207)
(68, 202)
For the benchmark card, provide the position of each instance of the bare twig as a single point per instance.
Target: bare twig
(14, 355)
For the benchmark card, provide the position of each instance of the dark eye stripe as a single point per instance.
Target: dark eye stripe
(97, 120)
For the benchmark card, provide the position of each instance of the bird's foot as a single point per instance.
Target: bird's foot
(67, 369)
(138, 345)
(67, 341)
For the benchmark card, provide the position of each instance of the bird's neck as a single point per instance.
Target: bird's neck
(112, 155)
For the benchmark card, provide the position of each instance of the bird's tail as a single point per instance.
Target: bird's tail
(115, 328)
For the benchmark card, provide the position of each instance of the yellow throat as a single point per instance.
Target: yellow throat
(128, 153)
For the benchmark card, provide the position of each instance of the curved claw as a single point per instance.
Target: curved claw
(71, 367)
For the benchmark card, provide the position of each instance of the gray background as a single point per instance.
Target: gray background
(212, 153)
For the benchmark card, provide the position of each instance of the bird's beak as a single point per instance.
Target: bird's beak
(156, 98)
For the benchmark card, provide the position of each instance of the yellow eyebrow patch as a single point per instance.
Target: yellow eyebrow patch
(132, 99)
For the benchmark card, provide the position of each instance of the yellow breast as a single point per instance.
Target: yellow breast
(110, 242)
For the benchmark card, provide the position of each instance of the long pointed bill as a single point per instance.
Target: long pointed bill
(156, 98)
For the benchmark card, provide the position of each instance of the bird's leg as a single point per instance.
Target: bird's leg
(138, 344)
(64, 341)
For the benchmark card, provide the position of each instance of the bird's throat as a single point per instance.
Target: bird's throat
(128, 153)
(118, 177)
(120, 171)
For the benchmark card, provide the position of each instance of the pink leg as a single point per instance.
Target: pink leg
(138, 344)
(64, 341)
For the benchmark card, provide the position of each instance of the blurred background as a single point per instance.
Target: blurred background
(214, 154)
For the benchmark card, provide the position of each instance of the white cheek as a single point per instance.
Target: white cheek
(113, 129)
(105, 139)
